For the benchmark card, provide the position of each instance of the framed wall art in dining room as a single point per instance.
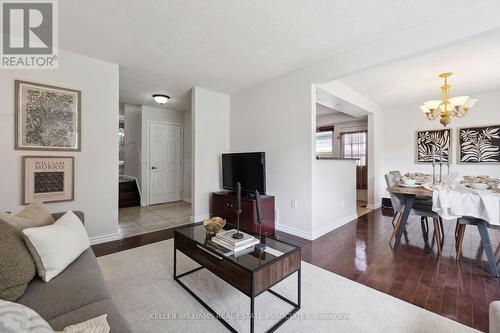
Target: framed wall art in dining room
(46, 117)
(432, 144)
(479, 145)
(48, 178)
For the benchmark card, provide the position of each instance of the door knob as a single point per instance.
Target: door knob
(154, 168)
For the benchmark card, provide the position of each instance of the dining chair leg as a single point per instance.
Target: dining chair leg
(425, 227)
(485, 238)
(396, 228)
(437, 235)
(394, 219)
(460, 239)
(408, 203)
(442, 231)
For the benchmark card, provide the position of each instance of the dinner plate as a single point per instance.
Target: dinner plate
(410, 185)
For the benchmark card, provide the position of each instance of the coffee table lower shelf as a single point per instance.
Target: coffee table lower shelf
(296, 306)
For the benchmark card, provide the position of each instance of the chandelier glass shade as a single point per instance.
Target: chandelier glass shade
(447, 108)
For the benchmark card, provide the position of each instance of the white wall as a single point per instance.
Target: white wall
(153, 114)
(188, 133)
(402, 122)
(334, 185)
(133, 141)
(275, 117)
(210, 127)
(96, 166)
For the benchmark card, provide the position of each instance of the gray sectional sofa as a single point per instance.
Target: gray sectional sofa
(77, 294)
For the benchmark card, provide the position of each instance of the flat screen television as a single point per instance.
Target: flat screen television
(247, 168)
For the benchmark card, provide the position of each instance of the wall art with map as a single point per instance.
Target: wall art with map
(46, 117)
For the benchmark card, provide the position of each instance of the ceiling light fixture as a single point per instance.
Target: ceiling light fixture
(161, 98)
(448, 107)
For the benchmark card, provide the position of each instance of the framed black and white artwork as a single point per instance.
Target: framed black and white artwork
(433, 144)
(46, 117)
(48, 178)
(479, 145)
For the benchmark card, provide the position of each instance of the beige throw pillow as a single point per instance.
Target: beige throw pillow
(17, 268)
(55, 246)
(95, 325)
(33, 215)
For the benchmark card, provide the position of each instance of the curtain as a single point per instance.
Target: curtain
(354, 145)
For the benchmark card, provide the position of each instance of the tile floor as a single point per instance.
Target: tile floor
(139, 220)
(361, 208)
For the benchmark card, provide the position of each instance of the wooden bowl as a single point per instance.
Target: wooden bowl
(214, 225)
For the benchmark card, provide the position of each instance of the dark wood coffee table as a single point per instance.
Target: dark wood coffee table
(251, 273)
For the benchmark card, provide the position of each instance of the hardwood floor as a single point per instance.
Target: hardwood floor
(415, 273)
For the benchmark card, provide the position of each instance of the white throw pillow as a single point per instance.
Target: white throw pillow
(56, 246)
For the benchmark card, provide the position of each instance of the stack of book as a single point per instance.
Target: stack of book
(226, 240)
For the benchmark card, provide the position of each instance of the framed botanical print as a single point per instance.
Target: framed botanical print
(48, 178)
(479, 145)
(432, 144)
(46, 117)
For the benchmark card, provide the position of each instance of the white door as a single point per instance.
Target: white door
(165, 162)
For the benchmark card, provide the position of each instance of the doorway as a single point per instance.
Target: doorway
(165, 162)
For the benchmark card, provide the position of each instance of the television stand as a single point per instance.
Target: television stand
(224, 203)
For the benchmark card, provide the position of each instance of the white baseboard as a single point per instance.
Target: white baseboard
(332, 226)
(293, 231)
(319, 232)
(104, 238)
(199, 218)
(186, 199)
(374, 206)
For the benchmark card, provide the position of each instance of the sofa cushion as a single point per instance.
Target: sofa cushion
(33, 215)
(81, 283)
(17, 268)
(117, 323)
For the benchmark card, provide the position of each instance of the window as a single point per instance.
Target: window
(354, 146)
(324, 142)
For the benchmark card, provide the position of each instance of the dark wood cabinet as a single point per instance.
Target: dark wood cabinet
(224, 203)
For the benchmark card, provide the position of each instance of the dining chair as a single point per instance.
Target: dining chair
(421, 201)
(423, 211)
(482, 227)
(395, 173)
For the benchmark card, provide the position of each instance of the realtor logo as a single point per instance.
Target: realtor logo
(29, 34)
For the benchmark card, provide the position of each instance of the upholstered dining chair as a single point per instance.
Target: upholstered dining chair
(420, 201)
(423, 211)
(482, 227)
(395, 173)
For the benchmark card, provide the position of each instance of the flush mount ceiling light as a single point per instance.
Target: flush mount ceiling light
(448, 107)
(161, 98)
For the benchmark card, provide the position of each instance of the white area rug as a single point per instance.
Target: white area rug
(143, 288)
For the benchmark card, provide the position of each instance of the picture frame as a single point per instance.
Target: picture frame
(48, 178)
(478, 145)
(426, 140)
(47, 118)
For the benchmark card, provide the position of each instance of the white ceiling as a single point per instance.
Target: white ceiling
(475, 64)
(226, 45)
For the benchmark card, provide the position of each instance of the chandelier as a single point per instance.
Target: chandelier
(448, 107)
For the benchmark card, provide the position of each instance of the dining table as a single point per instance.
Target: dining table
(408, 196)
